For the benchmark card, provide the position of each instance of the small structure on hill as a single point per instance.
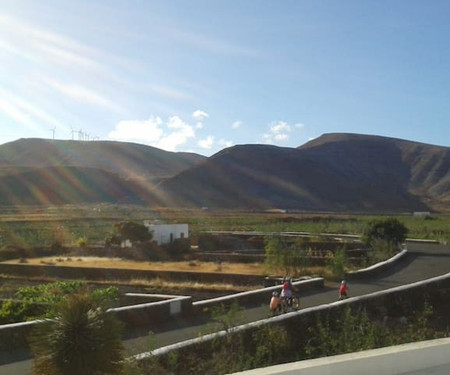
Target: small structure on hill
(167, 233)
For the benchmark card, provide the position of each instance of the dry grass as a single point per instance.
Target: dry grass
(185, 266)
(9, 284)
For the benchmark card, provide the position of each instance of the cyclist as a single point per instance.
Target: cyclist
(343, 289)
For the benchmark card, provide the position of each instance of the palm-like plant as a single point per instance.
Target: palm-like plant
(83, 339)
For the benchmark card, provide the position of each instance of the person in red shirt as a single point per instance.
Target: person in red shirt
(343, 289)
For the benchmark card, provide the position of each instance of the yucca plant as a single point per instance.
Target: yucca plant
(83, 339)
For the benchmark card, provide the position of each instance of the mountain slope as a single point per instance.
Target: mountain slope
(337, 172)
(61, 185)
(422, 170)
(129, 160)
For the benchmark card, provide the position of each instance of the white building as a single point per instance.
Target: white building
(167, 233)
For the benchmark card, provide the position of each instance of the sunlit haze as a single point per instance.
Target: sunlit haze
(200, 76)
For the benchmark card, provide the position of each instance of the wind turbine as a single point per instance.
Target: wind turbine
(53, 131)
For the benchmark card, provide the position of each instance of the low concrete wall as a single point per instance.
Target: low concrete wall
(147, 313)
(395, 302)
(142, 313)
(146, 309)
(425, 357)
(376, 268)
(255, 296)
(15, 335)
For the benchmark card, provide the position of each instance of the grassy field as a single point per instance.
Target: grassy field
(43, 226)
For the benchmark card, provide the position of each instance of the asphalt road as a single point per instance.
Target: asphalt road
(422, 261)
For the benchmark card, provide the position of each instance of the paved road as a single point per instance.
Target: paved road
(422, 261)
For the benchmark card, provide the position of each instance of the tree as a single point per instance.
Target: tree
(113, 239)
(82, 339)
(132, 231)
(285, 255)
(390, 231)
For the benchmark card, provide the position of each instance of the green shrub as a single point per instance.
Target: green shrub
(177, 248)
(287, 256)
(19, 311)
(135, 232)
(113, 239)
(390, 230)
(82, 242)
(40, 301)
(337, 263)
(83, 339)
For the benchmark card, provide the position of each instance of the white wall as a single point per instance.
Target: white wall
(425, 357)
(166, 233)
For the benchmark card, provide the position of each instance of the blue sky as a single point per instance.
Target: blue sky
(200, 76)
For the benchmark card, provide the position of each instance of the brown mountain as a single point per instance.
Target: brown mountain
(62, 185)
(40, 171)
(336, 172)
(421, 170)
(129, 160)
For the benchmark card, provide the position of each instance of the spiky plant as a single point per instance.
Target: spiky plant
(83, 339)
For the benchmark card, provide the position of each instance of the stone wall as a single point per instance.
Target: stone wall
(147, 309)
(396, 302)
(255, 296)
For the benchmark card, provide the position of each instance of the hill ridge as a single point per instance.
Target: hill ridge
(340, 172)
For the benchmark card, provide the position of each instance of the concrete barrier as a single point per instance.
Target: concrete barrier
(16, 335)
(376, 268)
(146, 313)
(146, 309)
(255, 296)
(395, 301)
(162, 307)
(424, 357)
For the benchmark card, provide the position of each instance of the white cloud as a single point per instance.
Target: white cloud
(206, 143)
(236, 125)
(148, 131)
(281, 137)
(279, 132)
(181, 127)
(280, 127)
(155, 132)
(199, 115)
